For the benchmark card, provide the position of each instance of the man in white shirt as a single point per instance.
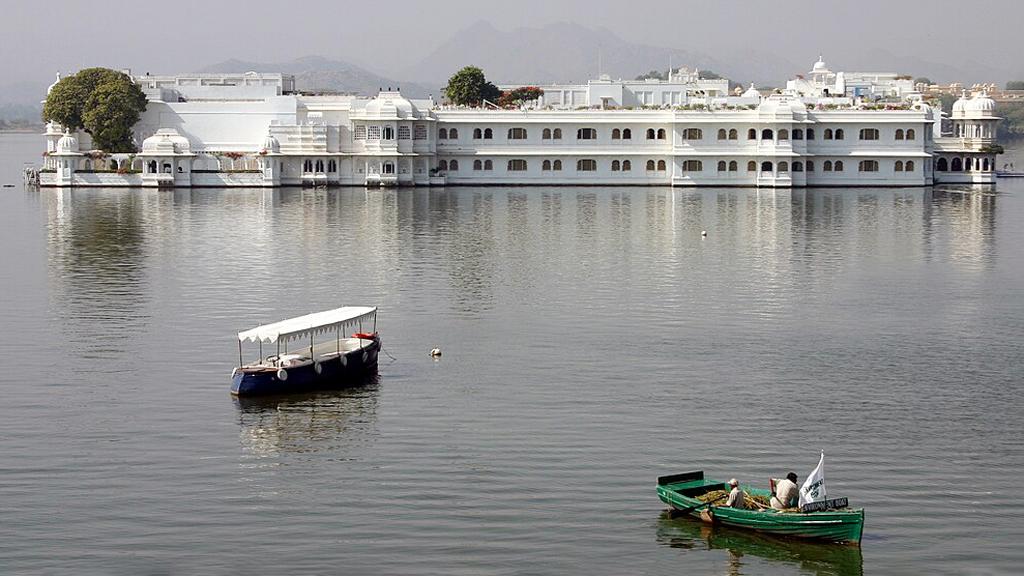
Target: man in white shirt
(737, 499)
(787, 493)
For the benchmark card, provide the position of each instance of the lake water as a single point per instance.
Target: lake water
(592, 341)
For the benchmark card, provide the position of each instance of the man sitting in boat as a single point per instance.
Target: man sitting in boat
(786, 492)
(737, 498)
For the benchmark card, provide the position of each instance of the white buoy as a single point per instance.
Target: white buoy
(435, 352)
(703, 233)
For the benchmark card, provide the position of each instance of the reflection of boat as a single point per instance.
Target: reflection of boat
(690, 534)
(340, 361)
(682, 491)
(310, 422)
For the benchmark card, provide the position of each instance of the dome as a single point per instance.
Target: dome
(270, 144)
(67, 143)
(751, 92)
(55, 82)
(389, 105)
(980, 103)
(166, 142)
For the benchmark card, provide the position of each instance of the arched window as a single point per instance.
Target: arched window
(767, 134)
(783, 134)
(838, 166)
(752, 134)
(453, 134)
(650, 165)
(798, 134)
(616, 135)
(488, 165)
(957, 165)
(517, 133)
(766, 166)
(751, 166)
(809, 165)
(661, 165)
(627, 134)
(722, 166)
(616, 166)
(910, 134)
(828, 166)
(151, 166)
(798, 167)
(488, 134)
(586, 134)
(556, 135)
(388, 133)
(586, 165)
(909, 166)
(783, 167)
(627, 165)
(828, 133)
(556, 165)
(839, 134)
(985, 165)
(478, 165)
(388, 168)
(865, 134)
(319, 166)
(651, 133)
(867, 166)
(810, 135)
(941, 165)
(898, 167)
(688, 134)
(442, 134)
(899, 133)
(733, 134)
(546, 134)
(688, 165)
(733, 166)
(307, 166)
(332, 166)
(546, 165)
(442, 165)
(477, 134)
(722, 134)
(516, 165)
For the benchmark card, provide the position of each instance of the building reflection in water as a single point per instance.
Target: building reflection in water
(822, 559)
(340, 422)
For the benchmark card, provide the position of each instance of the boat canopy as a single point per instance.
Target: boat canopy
(309, 325)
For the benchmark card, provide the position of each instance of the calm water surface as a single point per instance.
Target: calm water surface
(592, 341)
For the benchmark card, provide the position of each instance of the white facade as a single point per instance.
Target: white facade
(257, 132)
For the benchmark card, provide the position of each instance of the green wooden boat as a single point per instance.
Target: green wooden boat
(681, 491)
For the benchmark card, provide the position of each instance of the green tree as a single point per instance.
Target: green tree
(923, 80)
(103, 102)
(1015, 85)
(653, 74)
(519, 96)
(470, 87)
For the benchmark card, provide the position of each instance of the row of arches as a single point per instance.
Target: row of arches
(958, 164)
(310, 166)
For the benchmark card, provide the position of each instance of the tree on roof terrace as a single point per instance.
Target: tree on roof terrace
(519, 96)
(103, 102)
(469, 87)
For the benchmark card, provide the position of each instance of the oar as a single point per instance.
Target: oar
(692, 508)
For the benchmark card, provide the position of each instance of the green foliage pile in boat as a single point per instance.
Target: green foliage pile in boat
(752, 499)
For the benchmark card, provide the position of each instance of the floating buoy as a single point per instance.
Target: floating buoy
(282, 374)
(435, 352)
(703, 233)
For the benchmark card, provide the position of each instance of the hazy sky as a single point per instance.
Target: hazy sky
(38, 38)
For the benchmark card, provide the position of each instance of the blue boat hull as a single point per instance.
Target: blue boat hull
(349, 369)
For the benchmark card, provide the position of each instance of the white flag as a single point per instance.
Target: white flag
(813, 489)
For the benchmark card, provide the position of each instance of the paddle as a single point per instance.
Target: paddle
(692, 508)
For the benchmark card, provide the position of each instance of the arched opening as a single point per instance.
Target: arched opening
(442, 134)
(616, 134)
(752, 134)
(151, 167)
(899, 133)
(909, 166)
(388, 133)
(661, 165)
(783, 167)
(650, 165)
(555, 135)
(798, 167)
(616, 166)
(783, 134)
(828, 134)
(442, 165)
(651, 133)
(733, 134)
(957, 165)
(627, 134)
(941, 165)
(453, 165)
(767, 134)
(546, 134)
(488, 165)
(556, 165)
(389, 168)
(307, 166)
(478, 165)
(332, 166)
(722, 134)
(722, 166)
(733, 166)
(910, 134)
(840, 134)
(627, 165)
(766, 166)
(319, 166)
(477, 134)
(488, 134)
(839, 166)
(751, 166)
(810, 133)
(898, 167)
(546, 165)
(827, 167)
(809, 165)
(798, 134)
(985, 165)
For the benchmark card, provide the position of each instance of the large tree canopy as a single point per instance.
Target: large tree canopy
(469, 87)
(103, 102)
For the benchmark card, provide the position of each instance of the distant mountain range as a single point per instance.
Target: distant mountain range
(314, 73)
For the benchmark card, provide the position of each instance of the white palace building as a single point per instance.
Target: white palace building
(825, 129)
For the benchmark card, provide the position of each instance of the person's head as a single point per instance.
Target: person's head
(791, 477)
(734, 483)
